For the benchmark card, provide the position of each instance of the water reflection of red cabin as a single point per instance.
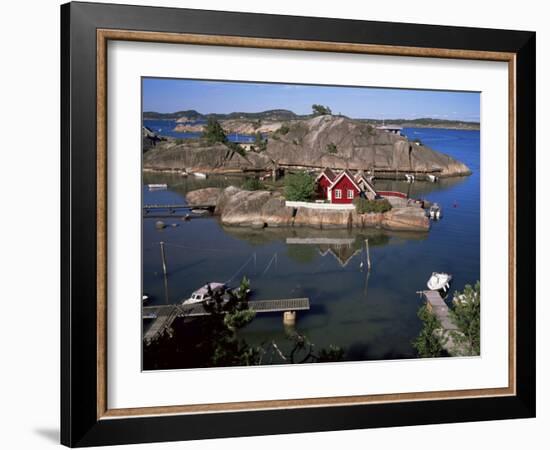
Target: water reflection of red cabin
(344, 187)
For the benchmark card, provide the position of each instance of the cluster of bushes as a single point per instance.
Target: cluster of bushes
(253, 184)
(284, 129)
(214, 133)
(364, 205)
(299, 187)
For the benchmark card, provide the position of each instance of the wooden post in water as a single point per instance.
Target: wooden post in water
(368, 254)
(163, 256)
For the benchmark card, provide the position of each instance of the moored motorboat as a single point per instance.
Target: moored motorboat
(205, 293)
(435, 212)
(199, 174)
(159, 186)
(439, 281)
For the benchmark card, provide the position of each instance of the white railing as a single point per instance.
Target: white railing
(326, 206)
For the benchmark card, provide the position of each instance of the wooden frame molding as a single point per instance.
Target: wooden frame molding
(103, 36)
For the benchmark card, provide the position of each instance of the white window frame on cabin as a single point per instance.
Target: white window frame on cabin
(338, 194)
(351, 194)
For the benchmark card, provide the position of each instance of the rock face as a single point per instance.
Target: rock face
(259, 209)
(198, 156)
(205, 197)
(253, 208)
(406, 219)
(358, 146)
(323, 141)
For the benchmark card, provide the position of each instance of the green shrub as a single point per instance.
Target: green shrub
(284, 129)
(331, 148)
(213, 132)
(299, 187)
(179, 141)
(363, 205)
(252, 184)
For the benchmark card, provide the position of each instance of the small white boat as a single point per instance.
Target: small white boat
(409, 177)
(200, 212)
(204, 293)
(144, 299)
(435, 212)
(199, 174)
(157, 187)
(439, 281)
(432, 178)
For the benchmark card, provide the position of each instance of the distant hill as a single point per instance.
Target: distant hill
(425, 122)
(192, 115)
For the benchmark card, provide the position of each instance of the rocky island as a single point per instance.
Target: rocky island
(314, 143)
(262, 208)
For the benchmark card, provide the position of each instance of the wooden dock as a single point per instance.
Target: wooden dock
(163, 316)
(177, 206)
(437, 306)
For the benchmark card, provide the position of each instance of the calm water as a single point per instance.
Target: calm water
(370, 316)
(166, 128)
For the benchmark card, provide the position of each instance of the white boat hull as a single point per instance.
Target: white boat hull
(439, 281)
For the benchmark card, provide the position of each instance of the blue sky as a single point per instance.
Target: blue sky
(170, 95)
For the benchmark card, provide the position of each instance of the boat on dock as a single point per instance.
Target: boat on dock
(439, 281)
(205, 293)
(157, 187)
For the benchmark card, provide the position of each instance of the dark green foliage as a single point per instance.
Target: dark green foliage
(284, 129)
(179, 141)
(213, 132)
(233, 146)
(320, 110)
(428, 343)
(253, 184)
(331, 148)
(299, 187)
(465, 315)
(257, 124)
(260, 144)
(363, 205)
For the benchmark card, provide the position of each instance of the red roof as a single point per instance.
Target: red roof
(347, 173)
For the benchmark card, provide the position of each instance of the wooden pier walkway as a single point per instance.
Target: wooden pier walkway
(437, 306)
(163, 316)
(177, 206)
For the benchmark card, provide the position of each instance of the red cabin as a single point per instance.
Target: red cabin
(324, 180)
(344, 187)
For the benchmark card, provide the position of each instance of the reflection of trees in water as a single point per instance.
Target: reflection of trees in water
(418, 189)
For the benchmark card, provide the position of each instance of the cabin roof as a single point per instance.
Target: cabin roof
(327, 172)
(348, 174)
(361, 178)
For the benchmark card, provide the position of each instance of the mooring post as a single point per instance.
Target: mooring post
(289, 318)
(163, 256)
(368, 254)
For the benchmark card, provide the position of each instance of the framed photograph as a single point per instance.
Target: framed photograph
(277, 224)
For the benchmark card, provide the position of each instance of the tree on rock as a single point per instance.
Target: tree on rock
(299, 187)
(213, 132)
(320, 110)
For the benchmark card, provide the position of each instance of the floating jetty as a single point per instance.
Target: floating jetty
(163, 316)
